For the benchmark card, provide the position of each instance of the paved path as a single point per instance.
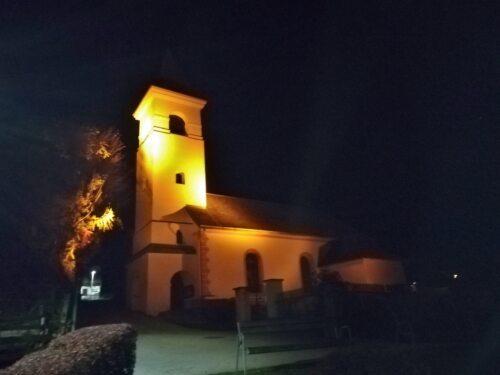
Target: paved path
(165, 348)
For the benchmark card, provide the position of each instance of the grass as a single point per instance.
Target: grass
(295, 368)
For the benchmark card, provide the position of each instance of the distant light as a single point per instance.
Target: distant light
(414, 283)
(455, 275)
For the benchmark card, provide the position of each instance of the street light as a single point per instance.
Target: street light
(92, 274)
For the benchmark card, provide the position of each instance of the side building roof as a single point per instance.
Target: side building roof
(348, 248)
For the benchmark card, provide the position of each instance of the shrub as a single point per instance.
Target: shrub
(106, 349)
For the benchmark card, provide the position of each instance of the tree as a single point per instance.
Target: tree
(57, 181)
(90, 211)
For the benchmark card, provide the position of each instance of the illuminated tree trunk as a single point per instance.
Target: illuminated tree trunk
(86, 223)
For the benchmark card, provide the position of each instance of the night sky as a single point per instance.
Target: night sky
(384, 113)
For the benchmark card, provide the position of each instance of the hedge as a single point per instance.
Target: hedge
(105, 349)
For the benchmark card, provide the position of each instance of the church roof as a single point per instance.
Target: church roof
(232, 212)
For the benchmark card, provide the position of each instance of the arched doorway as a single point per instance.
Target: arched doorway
(181, 288)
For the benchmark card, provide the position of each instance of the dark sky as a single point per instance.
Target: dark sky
(385, 113)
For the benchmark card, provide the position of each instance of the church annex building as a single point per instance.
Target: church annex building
(191, 245)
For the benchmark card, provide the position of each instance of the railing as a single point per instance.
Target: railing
(326, 299)
(297, 303)
(258, 305)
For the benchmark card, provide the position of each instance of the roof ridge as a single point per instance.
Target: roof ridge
(290, 205)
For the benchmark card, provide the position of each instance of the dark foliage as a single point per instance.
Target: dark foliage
(399, 359)
(38, 196)
(106, 349)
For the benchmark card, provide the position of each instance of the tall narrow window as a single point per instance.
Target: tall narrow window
(179, 238)
(179, 178)
(176, 125)
(252, 265)
(305, 273)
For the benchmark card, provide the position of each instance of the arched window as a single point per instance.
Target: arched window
(306, 273)
(176, 125)
(252, 267)
(179, 237)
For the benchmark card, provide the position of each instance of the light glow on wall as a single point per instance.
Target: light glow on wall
(145, 129)
(167, 154)
(153, 146)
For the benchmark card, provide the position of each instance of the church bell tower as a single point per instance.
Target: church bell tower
(170, 171)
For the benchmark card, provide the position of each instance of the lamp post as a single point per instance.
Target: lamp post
(92, 274)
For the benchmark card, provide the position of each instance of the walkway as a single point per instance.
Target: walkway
(165, 348)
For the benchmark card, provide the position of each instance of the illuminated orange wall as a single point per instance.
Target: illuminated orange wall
(158, 232)
(161, 268)
(150, 275)
(280, 255)
(177, 154)
(384, 271)
(370, 271)
(191, 263)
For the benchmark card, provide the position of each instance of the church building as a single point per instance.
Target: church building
(190, 244)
